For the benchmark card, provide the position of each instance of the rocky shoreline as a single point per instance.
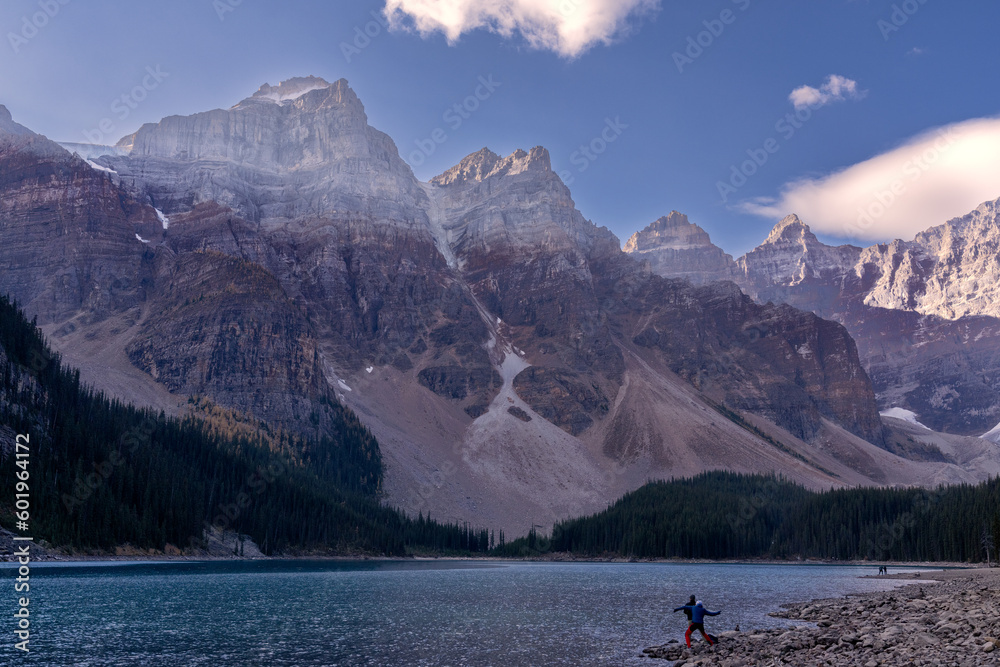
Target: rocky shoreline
(952, 619)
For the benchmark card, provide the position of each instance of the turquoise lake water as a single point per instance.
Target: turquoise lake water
(393, 612)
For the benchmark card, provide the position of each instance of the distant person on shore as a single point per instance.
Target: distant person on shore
(696, 614)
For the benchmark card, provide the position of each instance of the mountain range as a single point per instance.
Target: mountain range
(516, 366)
(924, 313)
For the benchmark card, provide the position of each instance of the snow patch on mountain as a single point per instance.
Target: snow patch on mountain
(905, 415)
(101, 168)
(436, 218)
(164, 220)
(993, 435)
(91, 151)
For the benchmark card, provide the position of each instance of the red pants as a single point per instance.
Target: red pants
(700, 628)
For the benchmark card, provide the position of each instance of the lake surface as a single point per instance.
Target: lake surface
(393, 612)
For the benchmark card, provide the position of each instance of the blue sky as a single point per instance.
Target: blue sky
(676, 134)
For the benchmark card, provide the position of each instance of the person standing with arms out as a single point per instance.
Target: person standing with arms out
(696, 613)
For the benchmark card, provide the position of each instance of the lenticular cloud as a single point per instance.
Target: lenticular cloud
(939, 175)
(567, 27)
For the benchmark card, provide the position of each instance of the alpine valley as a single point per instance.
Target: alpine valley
(514, 364)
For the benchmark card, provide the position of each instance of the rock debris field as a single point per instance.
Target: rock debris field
(954, 622)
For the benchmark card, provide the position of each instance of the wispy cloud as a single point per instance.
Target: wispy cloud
(567, 27)
(930, 179)
(836, 89)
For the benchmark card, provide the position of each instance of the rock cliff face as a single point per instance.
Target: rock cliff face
(279, 257)
(84, 253)
(678, 248)
(223, 327)
(923, 312)
(68, 230)
(529, 256)
(309, 153)
(335, 215)
(949, 271)
(785, 364)
(793, 260)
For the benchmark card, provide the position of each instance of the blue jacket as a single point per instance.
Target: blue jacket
(698, 612)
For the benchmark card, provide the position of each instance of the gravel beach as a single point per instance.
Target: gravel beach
(948, 618)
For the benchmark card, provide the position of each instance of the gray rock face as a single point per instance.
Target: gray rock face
(68, 231)
(307, 151)
(9, 129)
(678, 248)
(512, 204)
(949, 271)
(528, 253)
(333, 213)
(923, 312)
(792, 258)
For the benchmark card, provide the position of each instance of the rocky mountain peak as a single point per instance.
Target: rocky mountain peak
(675, 247)
(293, 88)
(949, 271)
(16, 136)
(309, 94)
(303, 147)
(672, 231)
(791, 230)
(789, 256)
(8, 126)
(485, 164)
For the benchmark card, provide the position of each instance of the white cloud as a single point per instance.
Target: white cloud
(568, 27)
(930, 179)
(836, 89)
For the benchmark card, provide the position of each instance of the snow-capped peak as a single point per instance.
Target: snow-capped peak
(289, 90)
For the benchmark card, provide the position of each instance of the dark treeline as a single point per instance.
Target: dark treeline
(104, 474)
(720, 515)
